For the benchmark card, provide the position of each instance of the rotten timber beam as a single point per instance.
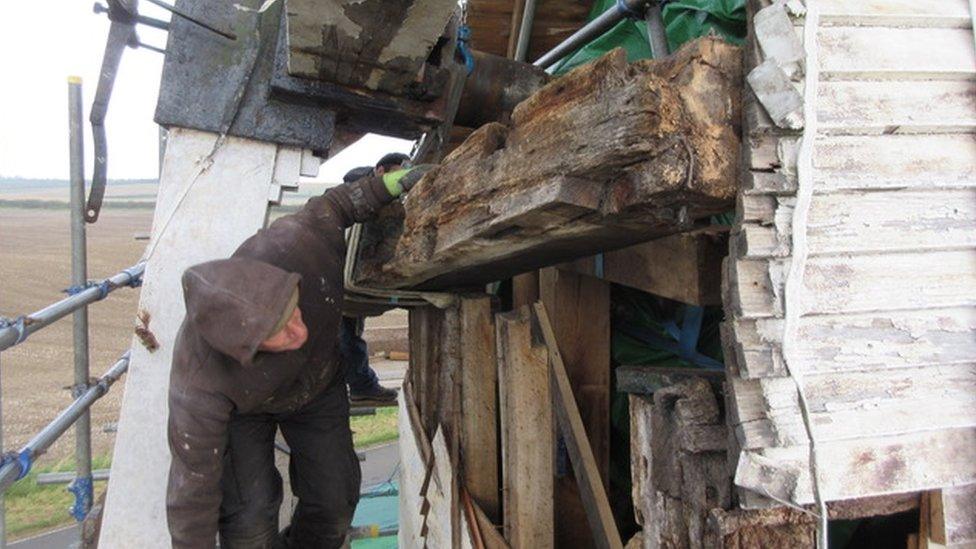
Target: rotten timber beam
(610, 155)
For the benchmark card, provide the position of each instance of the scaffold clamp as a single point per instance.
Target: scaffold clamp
(83, 490)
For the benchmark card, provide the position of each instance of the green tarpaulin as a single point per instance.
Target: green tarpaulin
(684, 21)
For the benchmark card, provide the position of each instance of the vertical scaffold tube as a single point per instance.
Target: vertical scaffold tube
(82, 486)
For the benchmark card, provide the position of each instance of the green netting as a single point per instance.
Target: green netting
(684, 21)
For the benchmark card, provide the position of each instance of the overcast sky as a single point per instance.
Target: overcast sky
(42, 42)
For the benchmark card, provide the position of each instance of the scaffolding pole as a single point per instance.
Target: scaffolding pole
(16, 465)
(3, 503)
(82, 485)
(16, 330)
(595, 28)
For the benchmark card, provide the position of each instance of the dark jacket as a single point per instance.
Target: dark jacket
(231, 306)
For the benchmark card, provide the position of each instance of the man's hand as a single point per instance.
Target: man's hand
(401, 181)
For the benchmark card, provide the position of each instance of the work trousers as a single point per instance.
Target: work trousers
(355, 356)
(324, 473)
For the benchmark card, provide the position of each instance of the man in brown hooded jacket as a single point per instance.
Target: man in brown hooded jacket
(258, 351)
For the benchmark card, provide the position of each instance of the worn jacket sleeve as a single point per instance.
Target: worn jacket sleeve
(348, 203)
(323, 217)
(197, 438)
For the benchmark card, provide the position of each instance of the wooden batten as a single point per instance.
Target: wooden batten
(479, 403)
(525, 406)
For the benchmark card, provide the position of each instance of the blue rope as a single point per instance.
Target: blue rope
(22, 459)
(463, 36)
(83, 489)
(19, 324)
(598, 265)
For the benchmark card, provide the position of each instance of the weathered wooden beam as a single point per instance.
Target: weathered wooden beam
(579, 310)
(525, 406)
(479, 418)
(570, 423)
(606, 156)
(685, 267)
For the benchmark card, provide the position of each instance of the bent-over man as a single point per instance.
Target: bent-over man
(258, 351)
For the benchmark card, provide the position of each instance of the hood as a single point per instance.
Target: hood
(234, 303)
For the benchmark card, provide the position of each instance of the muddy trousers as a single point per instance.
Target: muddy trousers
(323, 470)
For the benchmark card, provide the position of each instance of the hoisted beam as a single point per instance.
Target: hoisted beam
(609, 155)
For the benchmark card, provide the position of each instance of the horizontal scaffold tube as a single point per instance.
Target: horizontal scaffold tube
(16, 465)
(595, 28)
(14, 331)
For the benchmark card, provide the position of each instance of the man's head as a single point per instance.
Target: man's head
(242, 306)
(391, 162)
(290, 333)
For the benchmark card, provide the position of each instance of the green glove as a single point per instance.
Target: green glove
(401, 181)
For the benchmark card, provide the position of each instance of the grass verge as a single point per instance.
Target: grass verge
(33, 508)
(376, 429)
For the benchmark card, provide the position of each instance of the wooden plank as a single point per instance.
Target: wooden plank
(855, 404)
(580, 319)
(479, 391)
(518, 10)
(525, 407)
(551, 188)
(197, 170)
(953, 516)
(492, 29)
(870, 341)
(580, 307)
(867, 162)
(858, 283)
(861, 222)
(875, 108)
(525, 289)
(896, 53)
(574, 433)
(870, 465)
(684, 267)
(896, 13)
(895, 161)
(910, 162)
